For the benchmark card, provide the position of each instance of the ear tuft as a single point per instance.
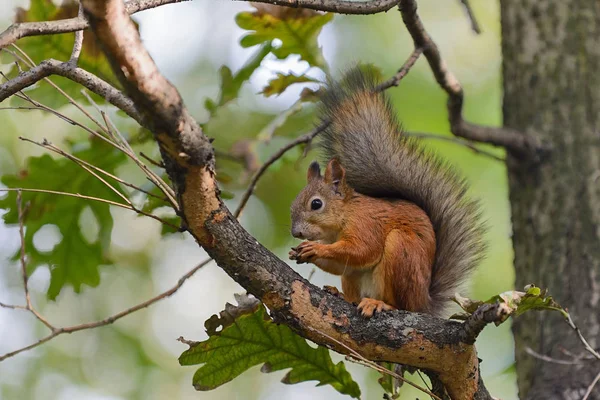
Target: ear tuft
(314, 171)
(335, 173)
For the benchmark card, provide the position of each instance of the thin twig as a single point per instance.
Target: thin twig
(581, 338)
(81, 196)
(78, 44)
(408, 64)
(13, 307)
(49, 146)
(28, 305)
(307, 138)
(151, 161)
(56, 67)
(22, 250)
(124, 146)
(591, 387)
(459, 141)
(471, 15)
(154, 178)
(368, 363)
(542, 357)
(111, 319)
(80, 163)
(63, 93)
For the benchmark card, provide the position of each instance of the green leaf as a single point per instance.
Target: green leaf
(59, 47)
(231, 84)
(297, 30)
(247, 338)
(516, 303)
(74, 260)
(282, 81)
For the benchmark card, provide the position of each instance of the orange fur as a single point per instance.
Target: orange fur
(383, 249)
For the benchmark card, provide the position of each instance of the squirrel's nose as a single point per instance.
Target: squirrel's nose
(297, 233)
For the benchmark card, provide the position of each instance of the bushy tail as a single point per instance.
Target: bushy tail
(382, 162)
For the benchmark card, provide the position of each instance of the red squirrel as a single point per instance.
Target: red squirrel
(392, 219)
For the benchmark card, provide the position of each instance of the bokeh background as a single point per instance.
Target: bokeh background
(136, 358)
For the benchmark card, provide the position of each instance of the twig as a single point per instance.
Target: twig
(12, 307)
(408, 64)
(459, 141)
(307, 138)
(28, 305)
(471, 15)
(14, 85)
(151, 161)
(515, 141)
(368, 363)
(81, 163)
(47, 145)
(542, 357)
(81, 196)
(591, 387)
(583, 340)
(111, 319)
(78, 44)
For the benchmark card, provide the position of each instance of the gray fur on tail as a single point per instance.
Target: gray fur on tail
(380, 161)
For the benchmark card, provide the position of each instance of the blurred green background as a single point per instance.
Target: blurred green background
(136, 358)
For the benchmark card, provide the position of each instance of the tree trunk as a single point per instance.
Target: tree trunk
(551, 69)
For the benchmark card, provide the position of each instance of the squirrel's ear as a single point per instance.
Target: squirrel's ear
(335, 174)
(314, 171)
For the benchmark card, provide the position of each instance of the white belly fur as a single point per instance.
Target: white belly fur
(367, 286)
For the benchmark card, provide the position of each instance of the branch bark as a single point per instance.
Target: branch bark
(402, 337)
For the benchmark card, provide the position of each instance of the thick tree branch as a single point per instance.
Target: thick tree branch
(24, 29)
(402, 337)
(512, 140)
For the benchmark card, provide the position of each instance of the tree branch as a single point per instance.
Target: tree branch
(78, 45)
(74, 73)
(24, 29)
(474, 24)
(401, 337)
(510, 139)
(485, 314)
(337, 6)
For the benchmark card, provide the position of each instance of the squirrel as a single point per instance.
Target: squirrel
(392, 219)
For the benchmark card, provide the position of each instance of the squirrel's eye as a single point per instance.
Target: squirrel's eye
(316, 204)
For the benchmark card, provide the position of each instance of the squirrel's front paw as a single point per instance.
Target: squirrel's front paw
(305, 252)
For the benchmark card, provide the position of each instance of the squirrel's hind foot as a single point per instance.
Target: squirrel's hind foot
(368, 307)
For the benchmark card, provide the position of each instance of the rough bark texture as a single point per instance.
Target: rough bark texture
(551, 70)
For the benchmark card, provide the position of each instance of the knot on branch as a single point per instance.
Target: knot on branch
(485, 314)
